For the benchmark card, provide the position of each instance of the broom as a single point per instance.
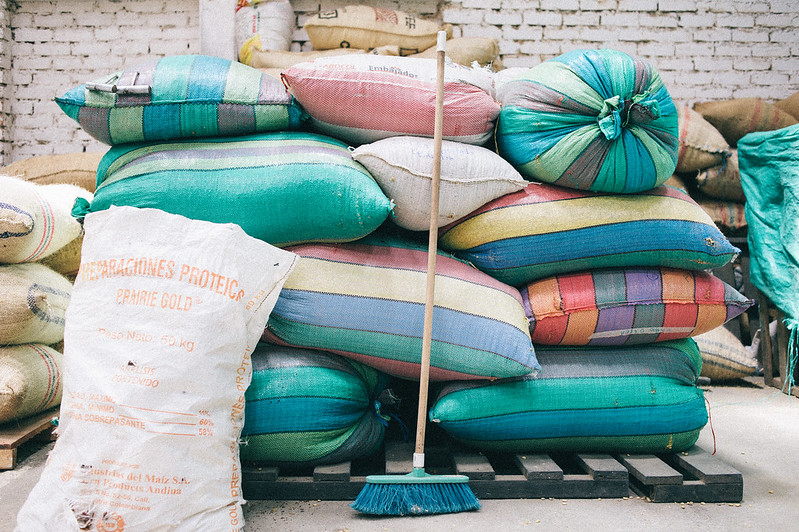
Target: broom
(419, 492)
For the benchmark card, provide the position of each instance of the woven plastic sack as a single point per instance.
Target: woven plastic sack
(724, 357)
(306, 408)
(165, 314)
(722, 181)
(283, 188)
(362, 98)
(701, 144)
(624, 306)
(736, 117)
(78, 169)
(30, 380)
(36, 220)
(470, 176)
(636, 399)
(181, 96)
(33, 302)
(769, 163)
(590, 119)
(366, 27)
(365, 300)
(267, 24)
(545, 230)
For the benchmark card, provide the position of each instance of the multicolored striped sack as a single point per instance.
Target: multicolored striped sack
(284, 188)
(623, 306)
(362, 98)
(724, 356)
(701, 144)
(635, 399)
(470, 175)
(590, 119)
(30, 377)
(307, 407)
(36, 220)
(181, 96)
(546, 230)
(365, 300)
(33, 304)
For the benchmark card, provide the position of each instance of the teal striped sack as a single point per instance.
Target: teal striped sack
(287, 187)
(635, 399)
(590, 119)
(305, 408)
(547, 230)
(365, 300)
(179, 97)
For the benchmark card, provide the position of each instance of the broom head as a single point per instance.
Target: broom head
(417, 493)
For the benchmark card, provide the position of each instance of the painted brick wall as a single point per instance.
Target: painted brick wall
(704, 50)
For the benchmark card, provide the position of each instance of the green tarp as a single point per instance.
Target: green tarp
(769, 165)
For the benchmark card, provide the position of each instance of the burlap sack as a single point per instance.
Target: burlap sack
(739, 116)
(33, 302)
(723, 181)
(724, 357)
(36, 220)
(365, 27)
(30, 380)
(701, 144)
(790, 105)
(69, 168)
(66, 260)
(727, 215)
(467, 50)
(278, 59)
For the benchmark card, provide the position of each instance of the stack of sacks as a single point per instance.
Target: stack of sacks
(611, 266)
(219, 141)
(708, 156)
(360, 29)
(79, 169)
(215, 140)
(35, 225)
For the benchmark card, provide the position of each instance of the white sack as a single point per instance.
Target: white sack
(164, 314)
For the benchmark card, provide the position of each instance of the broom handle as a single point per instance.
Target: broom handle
(427, 335)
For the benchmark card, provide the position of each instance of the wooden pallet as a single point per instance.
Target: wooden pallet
(15, 433)
(567, 475)
(691, 476)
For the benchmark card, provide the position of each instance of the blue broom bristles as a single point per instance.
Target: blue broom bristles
(415, 499)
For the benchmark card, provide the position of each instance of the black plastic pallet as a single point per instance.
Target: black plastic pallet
(692, 476)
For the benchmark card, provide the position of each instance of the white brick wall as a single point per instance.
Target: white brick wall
(703, 50)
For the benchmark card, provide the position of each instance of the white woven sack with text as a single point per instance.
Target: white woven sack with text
(164, 314)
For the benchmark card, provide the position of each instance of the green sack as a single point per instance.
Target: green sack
(769, 165)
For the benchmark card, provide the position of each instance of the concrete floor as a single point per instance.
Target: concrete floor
(756, 432)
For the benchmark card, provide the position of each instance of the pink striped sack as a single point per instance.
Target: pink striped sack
(361, 98)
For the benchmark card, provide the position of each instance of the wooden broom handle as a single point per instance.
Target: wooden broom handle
(432, 247)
